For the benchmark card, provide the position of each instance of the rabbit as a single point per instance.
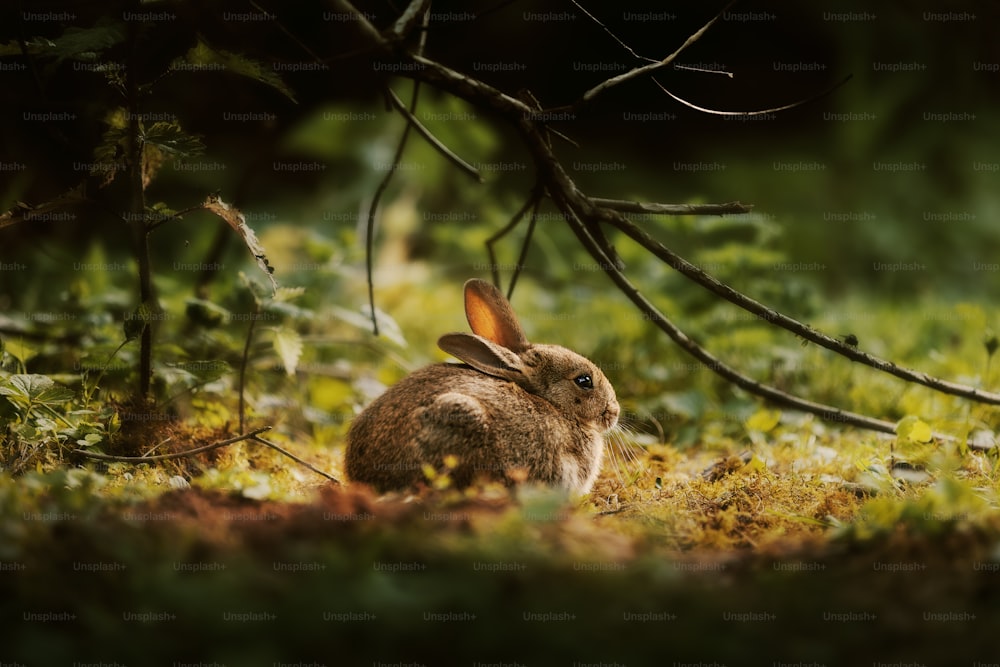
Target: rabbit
(513, 411)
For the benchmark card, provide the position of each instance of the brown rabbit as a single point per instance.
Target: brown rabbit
(513, 410)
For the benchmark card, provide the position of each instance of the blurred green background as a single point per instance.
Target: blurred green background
(832, 183)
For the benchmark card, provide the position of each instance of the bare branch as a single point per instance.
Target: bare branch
(607, 84)
(532, 201)
(759, 112)
(770, 315)
(177, 455)
(415, 12)
(522, 258)
(373, 208)
(251, 435)
(287, 453)
(380, 190)
(703, 70)
(435, 143)
(729, 208)
(611, 34)
(244, 362)
(467, 88)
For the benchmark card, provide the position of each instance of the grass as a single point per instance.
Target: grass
(742, 535)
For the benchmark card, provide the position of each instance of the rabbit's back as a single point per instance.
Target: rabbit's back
(490, 425)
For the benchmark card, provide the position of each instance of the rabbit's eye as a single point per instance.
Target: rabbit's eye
(584, 381)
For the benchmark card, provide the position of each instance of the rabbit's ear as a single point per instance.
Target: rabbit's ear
(483, 355)
(491, 316)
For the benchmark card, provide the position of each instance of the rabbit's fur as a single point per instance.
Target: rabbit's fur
(512, 411)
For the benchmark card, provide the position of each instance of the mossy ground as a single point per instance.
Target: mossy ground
(779, 557)
(720, 531)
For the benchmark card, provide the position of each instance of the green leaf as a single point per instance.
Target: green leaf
(25, 391)
(203, 56)
(288, 345)
(169, 137)
(204, 371)
(763, 420)
(912, 429)
(755, 464)
(991, 342)
(90, 440)
(288, 310)
(109, 154)
(387, 326)
(286, 294)
(135, 323)
(87, 44)
(235, 219)
(206, 314)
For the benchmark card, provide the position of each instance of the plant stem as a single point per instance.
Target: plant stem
(137, 211)
(243, 365)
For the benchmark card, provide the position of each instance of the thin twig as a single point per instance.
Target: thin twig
(415, 12)
(137, 209)
(611, 34)
(380, 190)
(244, 362)
(370, 229)
(294, 458)
(177, 455)
(525, 245)
(688, 68)
(623, 206)
(607, 84)
(503, 231)
(435, 143)
(759, 112)
(177, 215)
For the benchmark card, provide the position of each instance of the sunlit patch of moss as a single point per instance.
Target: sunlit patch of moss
(948, 505)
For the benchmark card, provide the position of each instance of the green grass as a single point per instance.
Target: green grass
(737, 535)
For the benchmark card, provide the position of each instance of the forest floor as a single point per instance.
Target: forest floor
(725, 533)
(765, 558)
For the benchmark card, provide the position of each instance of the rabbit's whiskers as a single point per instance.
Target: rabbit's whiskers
(625, 459)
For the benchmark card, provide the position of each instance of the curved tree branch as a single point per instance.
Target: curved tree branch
(586, 217)
(712, 362)
(719, 288)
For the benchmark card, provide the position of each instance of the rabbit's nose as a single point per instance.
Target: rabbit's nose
(611, 414)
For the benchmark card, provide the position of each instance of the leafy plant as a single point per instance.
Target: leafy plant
(136, 142)
(40, 425)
